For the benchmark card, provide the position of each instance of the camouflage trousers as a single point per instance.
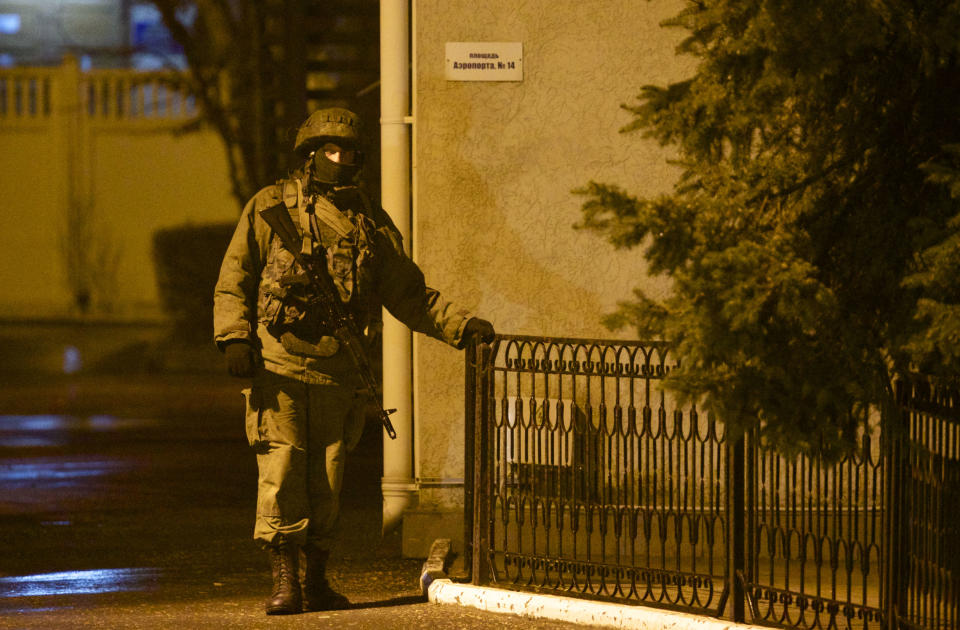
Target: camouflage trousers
(297, 432)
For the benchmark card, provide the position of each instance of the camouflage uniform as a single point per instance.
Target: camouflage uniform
(302, 396)
(301, 406)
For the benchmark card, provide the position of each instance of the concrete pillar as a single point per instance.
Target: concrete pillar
(398, 485)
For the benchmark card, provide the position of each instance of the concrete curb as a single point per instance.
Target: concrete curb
(444, 591)
(435, 568)
(439, 589)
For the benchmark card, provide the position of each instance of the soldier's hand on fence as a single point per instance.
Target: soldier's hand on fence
(479, 330)
(240, 359)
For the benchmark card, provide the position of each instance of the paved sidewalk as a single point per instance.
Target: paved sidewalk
(128, 503)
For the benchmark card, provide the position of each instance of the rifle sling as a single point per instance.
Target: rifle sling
(331, 215)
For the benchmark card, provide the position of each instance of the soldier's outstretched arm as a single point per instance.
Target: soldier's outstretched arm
(404, 293)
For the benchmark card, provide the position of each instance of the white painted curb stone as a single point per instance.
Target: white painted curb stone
(444, 591)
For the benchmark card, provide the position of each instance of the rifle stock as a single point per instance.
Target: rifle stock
(345, 329)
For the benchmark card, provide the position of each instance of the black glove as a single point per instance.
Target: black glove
(478, 329)
(239, 359)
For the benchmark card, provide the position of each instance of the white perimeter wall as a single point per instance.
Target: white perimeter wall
(131, 168)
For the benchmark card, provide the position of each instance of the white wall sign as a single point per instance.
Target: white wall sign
(484, 61)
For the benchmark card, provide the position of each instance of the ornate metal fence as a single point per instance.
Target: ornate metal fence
(816, 537)
(584, 477)
(590, 481)
(926, 580)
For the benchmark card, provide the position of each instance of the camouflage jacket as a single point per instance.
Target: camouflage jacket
(255, 300)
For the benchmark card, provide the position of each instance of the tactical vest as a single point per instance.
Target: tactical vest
(345, 239)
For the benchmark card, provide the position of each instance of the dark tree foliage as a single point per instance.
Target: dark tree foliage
(813, 236)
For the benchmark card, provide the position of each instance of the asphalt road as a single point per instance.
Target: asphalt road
(127, 502)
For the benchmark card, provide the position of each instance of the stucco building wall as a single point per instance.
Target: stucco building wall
(495, 164)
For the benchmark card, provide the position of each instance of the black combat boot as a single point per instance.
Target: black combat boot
(317, 594)
(285, 599)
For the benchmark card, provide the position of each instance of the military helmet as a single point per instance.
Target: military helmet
(331, 122)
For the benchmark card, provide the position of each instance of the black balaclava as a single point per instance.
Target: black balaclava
(323, 170)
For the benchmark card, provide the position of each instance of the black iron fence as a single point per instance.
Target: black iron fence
(584, 477)
(925, 579)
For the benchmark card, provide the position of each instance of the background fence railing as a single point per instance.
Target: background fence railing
(586, 478)
(119, 96)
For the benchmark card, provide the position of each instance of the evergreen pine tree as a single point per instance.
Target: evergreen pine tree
(813, 235)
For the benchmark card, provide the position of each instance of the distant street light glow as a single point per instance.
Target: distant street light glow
(9, 23)
(72, 361)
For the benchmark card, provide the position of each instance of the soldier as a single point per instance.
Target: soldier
(301, 408)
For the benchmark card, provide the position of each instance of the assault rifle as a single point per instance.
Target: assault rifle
(331, 309)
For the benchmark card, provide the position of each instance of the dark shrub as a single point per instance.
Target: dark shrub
(187, 261)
